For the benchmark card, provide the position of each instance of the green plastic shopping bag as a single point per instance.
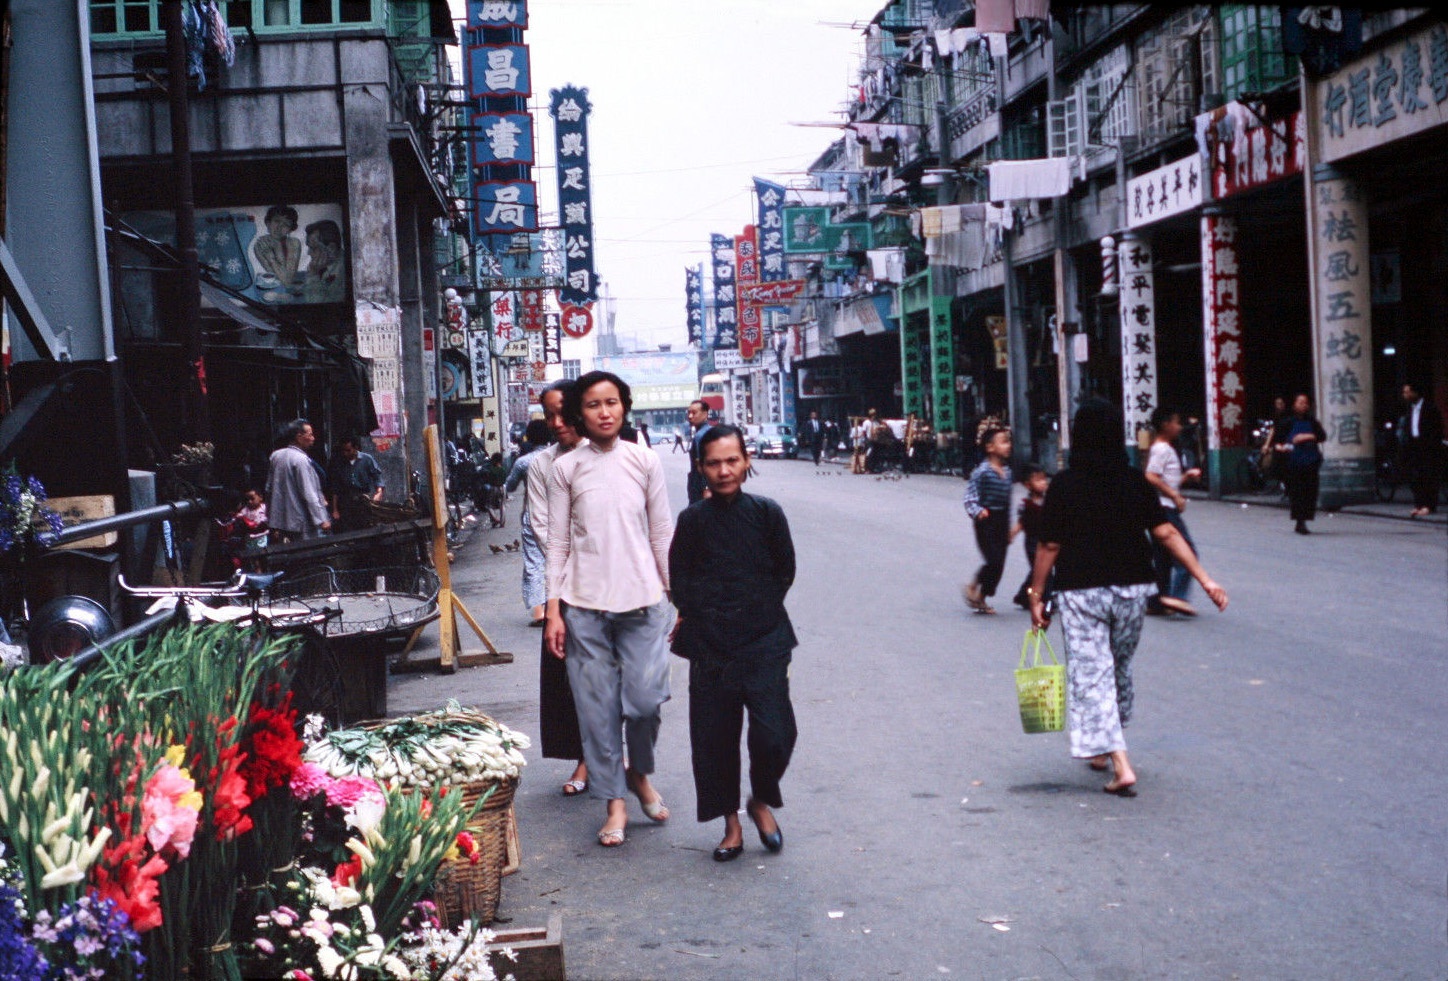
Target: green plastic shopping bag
(1040, 687)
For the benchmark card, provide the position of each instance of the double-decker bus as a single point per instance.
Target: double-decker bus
(711, 393)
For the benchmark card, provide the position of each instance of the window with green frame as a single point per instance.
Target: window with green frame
(1252, 56)
(114, 17)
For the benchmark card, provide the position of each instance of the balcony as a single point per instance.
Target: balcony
(972, 124)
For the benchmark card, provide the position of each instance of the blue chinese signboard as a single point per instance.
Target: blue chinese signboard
(770, 225)
(490, 13)
(504, 207)
(569, 108)
(498, 70)
(501, 138)
(694, 302)
(522, 262)
(726, 314)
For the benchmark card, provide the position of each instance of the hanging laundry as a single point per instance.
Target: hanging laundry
(1032, 9)
(963, 37)
(1016, 180)
(197, 32)
(998, 16)
(930, 222)
(949, 219)
(999, 45)
(221, 38)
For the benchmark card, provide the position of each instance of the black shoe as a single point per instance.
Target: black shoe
(774, 841)
(728, 854)
(1301, 528)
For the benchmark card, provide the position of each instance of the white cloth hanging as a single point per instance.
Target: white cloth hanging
(1017, 180)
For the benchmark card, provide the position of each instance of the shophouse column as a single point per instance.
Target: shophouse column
(1138, 335)
(1222, 337)
(942, 356)
(1342, 335)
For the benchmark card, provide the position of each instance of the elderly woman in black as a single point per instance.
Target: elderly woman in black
(1300, 448)
(1094, 526)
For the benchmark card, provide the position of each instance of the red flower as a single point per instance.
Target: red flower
(348, 872)
(468, 845)
(122, 876)
(274, 752)
(230, 799)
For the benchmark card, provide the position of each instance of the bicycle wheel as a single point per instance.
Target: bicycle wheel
(317, 682)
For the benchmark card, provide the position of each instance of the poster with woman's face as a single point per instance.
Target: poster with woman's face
(278, 254)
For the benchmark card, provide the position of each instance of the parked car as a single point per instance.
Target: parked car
(771, 439)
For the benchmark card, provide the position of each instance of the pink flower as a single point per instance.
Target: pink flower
(169, 808)
(309, 779)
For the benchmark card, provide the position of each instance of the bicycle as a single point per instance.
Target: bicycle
(317, 681)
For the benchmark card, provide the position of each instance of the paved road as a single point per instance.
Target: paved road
(1294, 782)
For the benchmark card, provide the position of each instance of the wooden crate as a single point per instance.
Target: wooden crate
(539, 950)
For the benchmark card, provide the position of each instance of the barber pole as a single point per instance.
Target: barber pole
(1110, 285)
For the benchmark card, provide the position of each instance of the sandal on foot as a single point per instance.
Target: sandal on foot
(572, 788)
(611, 837)
(658, 811)
(1128, 791)
(985, 609)
(1099, 762)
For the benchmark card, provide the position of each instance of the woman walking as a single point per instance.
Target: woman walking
(1301, 448)
(988, 503)
(609, 529)
(1093, 535)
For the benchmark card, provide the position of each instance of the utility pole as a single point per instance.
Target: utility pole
(1061, 267)
(1017, 365)
(196, 418)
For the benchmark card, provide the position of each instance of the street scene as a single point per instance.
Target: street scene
(650, 489)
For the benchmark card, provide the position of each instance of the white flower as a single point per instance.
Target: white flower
(329, 960)
(366, 814)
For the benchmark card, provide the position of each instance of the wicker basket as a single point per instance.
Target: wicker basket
(464, 888)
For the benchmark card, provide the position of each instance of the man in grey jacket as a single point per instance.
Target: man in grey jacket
(296, 507)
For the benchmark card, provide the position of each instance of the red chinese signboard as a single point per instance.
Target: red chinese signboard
(1221, 279)
(531, 302)
(1247, 151)
(746, 276)
(576, 321)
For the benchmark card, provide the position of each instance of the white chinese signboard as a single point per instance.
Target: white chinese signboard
(1166, 191)
(1397, 91)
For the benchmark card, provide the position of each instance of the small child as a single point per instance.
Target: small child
(1028, 519)
(988, 503)
(253, 509)
(246, 530)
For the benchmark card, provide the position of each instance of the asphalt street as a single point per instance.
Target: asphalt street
(1293, 812)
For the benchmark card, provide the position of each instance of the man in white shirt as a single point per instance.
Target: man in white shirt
(1421, 436)
(609, 529)
(1164, 472)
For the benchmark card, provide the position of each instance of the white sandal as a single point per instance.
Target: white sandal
(572, 788)
(611, 838)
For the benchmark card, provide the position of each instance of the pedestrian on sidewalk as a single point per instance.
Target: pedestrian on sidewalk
(1028, 521)
(535, 583)
(609, 529)
(1301, 448)
(1094, 528)
(698, 416)
(557, 716)
(988, 503)
(1421, 433)
(297, 507)
(731, 564)
(812, 434)
(1164, 472)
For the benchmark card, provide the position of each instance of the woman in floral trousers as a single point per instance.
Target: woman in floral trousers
(1094, 526)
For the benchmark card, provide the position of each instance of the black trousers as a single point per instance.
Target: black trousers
(1425, 473)
(557, 716)
(1301, 491)
(993, 537)
(720, 690)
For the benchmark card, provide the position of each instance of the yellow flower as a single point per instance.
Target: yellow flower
(175, 755)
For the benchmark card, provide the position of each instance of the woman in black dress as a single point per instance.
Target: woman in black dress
(1300, 446)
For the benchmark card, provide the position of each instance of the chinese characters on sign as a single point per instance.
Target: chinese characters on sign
(504, 309)
(809, 230)
(489, 13)
(552, 338)
(1164, 192)
(1249, 153)
(1344, 360)
(480, 361)
(1221, 315)
(501, 138)
(576, 321)
(746, 273)
(726, 317)
(531, 303)
(770, 230)
(498, 70)
(1138, 334)
(1385, 96)
(525, 262)
(694, 302)
(569, 108)
(504, 207)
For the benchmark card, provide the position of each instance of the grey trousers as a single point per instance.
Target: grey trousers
(1102, 626)
(618, 667)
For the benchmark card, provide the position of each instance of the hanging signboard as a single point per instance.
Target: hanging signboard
(495, 15)
(746, 274)
(505, 207)
(552, 338)
(480, 363)
(500, 138)
(575, 320)
(504, 308)
(1166, 191)
(809, 230)
(499, 70)
(694, 303)
(770, 225)
(569, 108)
(771, 294)
(528, 261)
(726, 316)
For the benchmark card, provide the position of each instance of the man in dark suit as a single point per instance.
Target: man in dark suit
(1420, 433)
(813, 434)
(698, 416)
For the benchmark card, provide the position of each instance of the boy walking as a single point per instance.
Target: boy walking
(988, 503)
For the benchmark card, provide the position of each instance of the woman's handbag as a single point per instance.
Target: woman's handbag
(1040, 687)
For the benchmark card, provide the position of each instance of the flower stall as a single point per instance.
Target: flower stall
(164, 813)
